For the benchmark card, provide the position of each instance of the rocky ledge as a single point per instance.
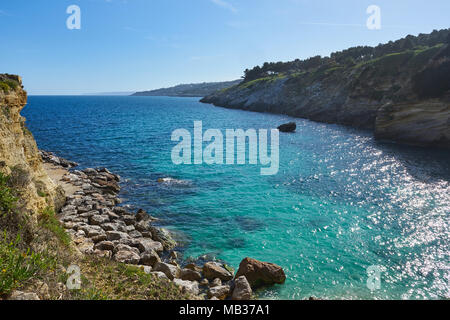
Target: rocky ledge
(99, 226)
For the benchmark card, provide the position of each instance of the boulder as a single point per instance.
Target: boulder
(141, 215)
(116, 235)
(169, 270)
(220, 292)
(19, 295)
(150, 258)
(288, 127)
(163, 236)
(191, 275)
(124, 247)
(99, 219)
(160, 275)
(129, 257)
(212, 270)
(260, 273)
(188, 286)
(242, 289)
(147, 245)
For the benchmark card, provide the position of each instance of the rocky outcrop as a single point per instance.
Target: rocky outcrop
(260, 273)
(19, 155)
(403, 96)
(288, 127)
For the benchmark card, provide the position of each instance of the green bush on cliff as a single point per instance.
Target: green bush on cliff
(7, 198)
(8, 85)
(48, 220)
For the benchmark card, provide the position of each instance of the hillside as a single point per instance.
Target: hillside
(400, 90)
(189, 90)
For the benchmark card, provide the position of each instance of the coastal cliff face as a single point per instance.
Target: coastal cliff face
(402, 96)
(19, 155)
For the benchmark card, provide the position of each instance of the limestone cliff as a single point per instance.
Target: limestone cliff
(400, 90)
(19, 156)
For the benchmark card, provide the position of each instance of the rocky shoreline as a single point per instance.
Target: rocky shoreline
(99, 226)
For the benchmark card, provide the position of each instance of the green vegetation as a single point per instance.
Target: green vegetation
(103, 279)
(48, 220)
(7, 198)
(8, 85)
(390, 53)
(18, 266)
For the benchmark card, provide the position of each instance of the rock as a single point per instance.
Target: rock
(188, 286)
(135, 234)
(215, 283)
(242, 289)
(169, 270)
(19, 295)
(129, 257)
(150, 258)
(124, 247)
(220, 292)
(212, 270)
(116, 235)
(288, 127)
(92, 231)
(99, 219)
(99, 238)
(146, 269)
(141, 215)
(260, 273)
(129, 220)
(110, 227)
(160, 275)
(163, 236)
(105, 245)
(147, 245)
(143, 226)
(103, 253)
(191, 275)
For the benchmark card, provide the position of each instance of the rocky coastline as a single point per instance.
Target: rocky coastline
(99, 226)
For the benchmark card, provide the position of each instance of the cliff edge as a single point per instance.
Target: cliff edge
(400, 90)
(19, 155)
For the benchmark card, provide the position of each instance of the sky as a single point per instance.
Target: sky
(133, 45)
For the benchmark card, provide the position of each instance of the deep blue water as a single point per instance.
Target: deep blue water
(340, 203)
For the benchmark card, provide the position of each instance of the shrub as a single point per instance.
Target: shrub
(7, 199)
(19, 178)
(18, 266)
(48, 220)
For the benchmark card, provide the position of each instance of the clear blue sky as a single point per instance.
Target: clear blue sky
(128, 45)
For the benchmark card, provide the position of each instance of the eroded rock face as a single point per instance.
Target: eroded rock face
(19, 153)
(403, 97)
(260, 273)
(424, 123)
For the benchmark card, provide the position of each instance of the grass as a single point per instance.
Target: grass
(18, 266)
(269, 79)
(103, 279)
(47, 219)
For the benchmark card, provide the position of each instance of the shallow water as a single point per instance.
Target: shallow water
(340, 203)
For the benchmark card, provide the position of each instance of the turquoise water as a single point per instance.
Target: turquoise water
(340, 203)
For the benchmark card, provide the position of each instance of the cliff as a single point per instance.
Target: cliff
(189, 90)
(19, 155)
(401, 90)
